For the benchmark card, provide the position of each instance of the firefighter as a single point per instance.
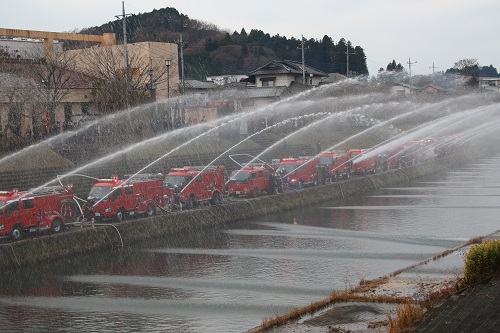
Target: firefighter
(272, 183)
(88, 212)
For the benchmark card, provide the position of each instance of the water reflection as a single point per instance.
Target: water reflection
(228, 280)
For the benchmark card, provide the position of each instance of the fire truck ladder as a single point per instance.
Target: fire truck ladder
(261, 162)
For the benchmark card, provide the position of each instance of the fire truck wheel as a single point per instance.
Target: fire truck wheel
(150, 211)
(56, 226)
(17, 233)
(120, 215)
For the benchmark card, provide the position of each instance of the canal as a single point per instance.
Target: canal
(229, 280)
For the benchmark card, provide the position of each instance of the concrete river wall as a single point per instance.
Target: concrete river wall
(77, 241)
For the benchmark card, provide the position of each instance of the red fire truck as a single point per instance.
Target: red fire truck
(337, 163)
(47, 208)
(252, 180)
(296, 172)
(190, 185)
(119, 198)
(361, 165)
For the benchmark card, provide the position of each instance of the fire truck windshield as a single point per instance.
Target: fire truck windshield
(239, 177)
(99, 192)
(171, 181)
(287, 167)
(325, 160)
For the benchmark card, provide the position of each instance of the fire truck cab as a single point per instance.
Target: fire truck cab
(296, 172)
(47, 208)
(252, 180)
(116, 198)
(190, 185)
(337, 163)
(362, 165)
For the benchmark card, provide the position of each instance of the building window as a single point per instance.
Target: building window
(14, 120)
(85, 108)
(268, 81)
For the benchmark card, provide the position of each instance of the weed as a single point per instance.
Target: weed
(408, 315)
(481, 261)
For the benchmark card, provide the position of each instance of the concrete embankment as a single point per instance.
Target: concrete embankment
(85, 240)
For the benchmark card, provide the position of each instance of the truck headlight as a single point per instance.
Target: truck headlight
(2, 227)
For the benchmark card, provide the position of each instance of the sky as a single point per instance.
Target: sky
(431, 34)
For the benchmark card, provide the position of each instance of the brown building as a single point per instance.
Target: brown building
(40, 97)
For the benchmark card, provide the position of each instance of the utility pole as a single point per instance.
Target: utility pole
(127, 70)
(433, 67)
(409, 66)
(347, 53)
(303, 61)
(181, 45)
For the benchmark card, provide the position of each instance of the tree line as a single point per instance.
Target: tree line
(210, 51)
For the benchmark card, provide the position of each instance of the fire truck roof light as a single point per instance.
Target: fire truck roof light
(108, 180)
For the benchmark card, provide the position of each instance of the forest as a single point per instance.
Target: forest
(210, 51)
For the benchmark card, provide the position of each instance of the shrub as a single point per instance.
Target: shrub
(481, 261)
(408, 316)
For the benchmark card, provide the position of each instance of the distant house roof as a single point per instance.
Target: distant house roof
(266, 92)
(285, 67)
(195, 84)
(332, 78)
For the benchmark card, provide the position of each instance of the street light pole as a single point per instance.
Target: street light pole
(167, 63)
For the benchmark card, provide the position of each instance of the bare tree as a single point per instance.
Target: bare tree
(56, 76)
(24, 98)
(112, 89)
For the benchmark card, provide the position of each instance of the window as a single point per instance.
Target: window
(29, 203)
(268, 81)
(116, 193)
(259, 174)
(198, 179)
(11, 208)
(14, 120)
(129, 190)
(85, 108)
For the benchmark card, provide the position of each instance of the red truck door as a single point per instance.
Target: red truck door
(13, 220)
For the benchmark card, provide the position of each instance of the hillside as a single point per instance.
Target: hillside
(210, 51)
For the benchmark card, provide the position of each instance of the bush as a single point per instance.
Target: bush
(481, 261)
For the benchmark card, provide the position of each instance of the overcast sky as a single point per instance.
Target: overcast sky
(428, 32)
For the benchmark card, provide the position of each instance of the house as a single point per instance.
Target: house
(489, 84)
(285, 73)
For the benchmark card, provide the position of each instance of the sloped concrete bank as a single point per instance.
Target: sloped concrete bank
(101, 238)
